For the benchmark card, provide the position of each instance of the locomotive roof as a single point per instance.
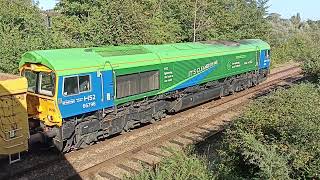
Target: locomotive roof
(82, 60)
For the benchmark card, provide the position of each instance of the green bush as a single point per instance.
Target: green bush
(276, 138)
(294, 40)
(22, 28)
(180, 166)
(311, 59)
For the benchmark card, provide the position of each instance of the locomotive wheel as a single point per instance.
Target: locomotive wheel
(59, 144)
(233, 86)
(68, 144)
(63, 145)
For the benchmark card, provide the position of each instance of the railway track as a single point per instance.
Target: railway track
(126, 154)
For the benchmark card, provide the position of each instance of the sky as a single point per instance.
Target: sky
(308, 9)
(46, 4)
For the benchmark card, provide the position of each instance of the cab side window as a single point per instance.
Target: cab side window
(76, 84)
(71, 86)
(84, 83)
(267, 54)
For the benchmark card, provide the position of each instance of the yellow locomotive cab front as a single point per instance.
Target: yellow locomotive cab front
(41, 94)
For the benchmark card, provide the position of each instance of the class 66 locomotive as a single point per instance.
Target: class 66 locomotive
(76, 97)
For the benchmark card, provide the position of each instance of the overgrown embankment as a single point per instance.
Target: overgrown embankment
(277, 137)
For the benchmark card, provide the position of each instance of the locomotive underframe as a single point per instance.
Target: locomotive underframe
(83, 130)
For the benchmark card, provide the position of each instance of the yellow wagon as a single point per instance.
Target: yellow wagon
(14, 128)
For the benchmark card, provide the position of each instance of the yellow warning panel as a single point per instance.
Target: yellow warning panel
(14, 128)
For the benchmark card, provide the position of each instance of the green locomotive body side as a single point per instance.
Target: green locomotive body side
(175, 73)
(180, 63)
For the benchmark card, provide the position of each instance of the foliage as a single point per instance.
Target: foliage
(92, 23)
(180, 166)
(86, 23)
(295, 40)
(21, 29)
(311, 52)
(276, 138)
(103, 22)
(284, 39)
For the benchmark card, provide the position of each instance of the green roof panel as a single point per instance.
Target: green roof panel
(81, 60)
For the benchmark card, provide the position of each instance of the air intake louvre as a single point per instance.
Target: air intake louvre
(222, 42)
(121, 51)
(132, 84)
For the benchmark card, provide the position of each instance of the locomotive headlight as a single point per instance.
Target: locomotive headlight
(50, 118)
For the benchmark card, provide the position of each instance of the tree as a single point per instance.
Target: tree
(99, 22)
(231, 19)
(296, 20)
(22, 28)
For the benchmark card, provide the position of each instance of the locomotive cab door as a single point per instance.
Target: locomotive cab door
(107, 79)
(107, 88)
(258, 57)
(264, 59)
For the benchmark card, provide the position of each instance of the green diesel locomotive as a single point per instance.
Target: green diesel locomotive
(78, 96)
